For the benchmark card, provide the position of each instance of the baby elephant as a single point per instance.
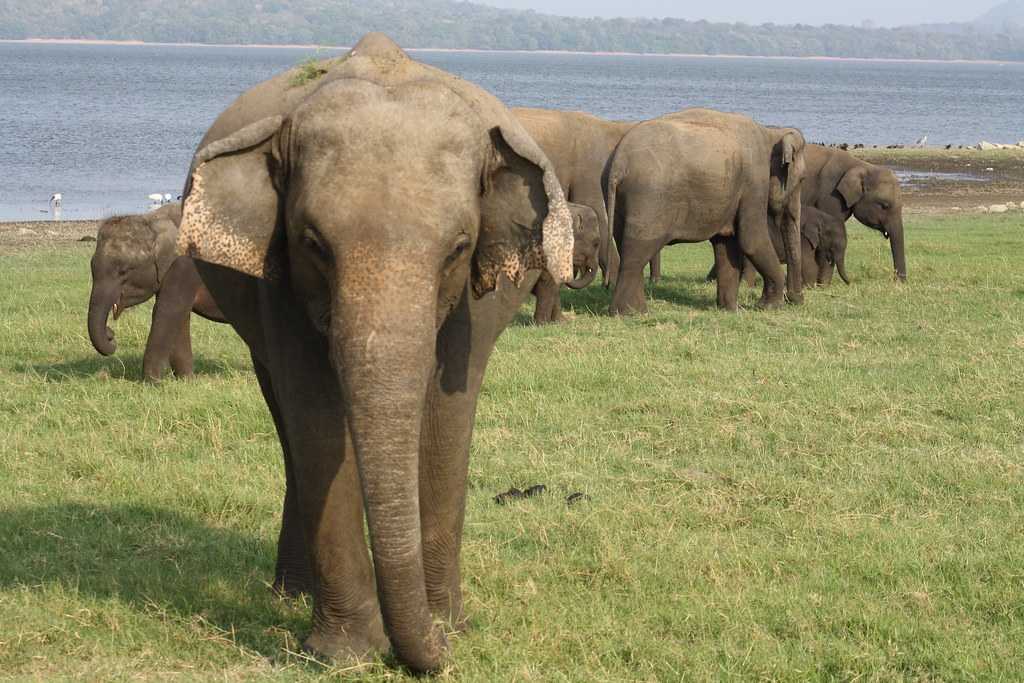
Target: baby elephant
(586, 248)
(135, 258)
(823, 241)
(822, 249)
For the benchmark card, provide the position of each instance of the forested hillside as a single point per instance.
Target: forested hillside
(451, 24)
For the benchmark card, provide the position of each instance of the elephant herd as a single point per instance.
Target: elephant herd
(371, 231)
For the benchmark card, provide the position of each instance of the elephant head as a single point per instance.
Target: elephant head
(132, 255)
(586, 230)
(381, 198)
(872, 194)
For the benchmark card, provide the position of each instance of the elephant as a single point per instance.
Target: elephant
(822, 249)
(585, 250)
(134, 260)
(580, 145)
(823, 244)
(369, 231)
(699, 175)
(842, 185)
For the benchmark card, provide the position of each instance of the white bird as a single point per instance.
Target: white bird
(167, 198)
(922, 142)
(56, 199)
(156, 197)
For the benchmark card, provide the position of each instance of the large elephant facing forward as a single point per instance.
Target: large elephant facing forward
(579, 146)
(369, 232)
(842, 185)
(701, 175)
(134, 260)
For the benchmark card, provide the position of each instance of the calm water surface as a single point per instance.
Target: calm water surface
(107, 125)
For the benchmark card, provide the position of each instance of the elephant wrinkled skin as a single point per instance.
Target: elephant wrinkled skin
(701, 175)
(134, 260)
(369, 233)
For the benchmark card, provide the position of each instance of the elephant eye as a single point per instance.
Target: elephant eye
(313, 242)
(462, 243)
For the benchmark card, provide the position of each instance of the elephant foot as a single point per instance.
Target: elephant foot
(635, 308)
(292, 586)
(769, 304)
(349, 647)
(795, 299)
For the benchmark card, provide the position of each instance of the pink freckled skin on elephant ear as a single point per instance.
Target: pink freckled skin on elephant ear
(558, 240)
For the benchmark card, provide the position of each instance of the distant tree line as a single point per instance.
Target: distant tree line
(452, 24)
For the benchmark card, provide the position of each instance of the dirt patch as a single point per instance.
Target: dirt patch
(28, 234)
(943, 181)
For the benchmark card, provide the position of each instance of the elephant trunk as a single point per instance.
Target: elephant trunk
(104, 297)
(841, 267)
(589, 273)
(790, 229)
(899, 261)
(608, 257)
(383, 344)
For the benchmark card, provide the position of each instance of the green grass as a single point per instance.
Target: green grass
(829, 492)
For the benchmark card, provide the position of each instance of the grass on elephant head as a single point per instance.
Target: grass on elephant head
(832, 491)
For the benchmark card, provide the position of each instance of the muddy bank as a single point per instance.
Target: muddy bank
(20, 235)
(934, 182)
(941, 181)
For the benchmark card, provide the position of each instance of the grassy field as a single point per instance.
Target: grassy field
(830, 492)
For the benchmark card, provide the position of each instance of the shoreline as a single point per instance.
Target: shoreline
(684, 55)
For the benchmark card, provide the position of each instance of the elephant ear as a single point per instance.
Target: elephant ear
(809, 230)
(165, 248)
(525, 222)
(231, 207)
(851, 185)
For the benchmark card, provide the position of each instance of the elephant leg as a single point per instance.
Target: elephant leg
(748, 273)
(727, 270)
(656, 268)
(347, 620)
(825, 268)
(549, 301)
(809, 264)
(629, 297)
(171, 320)
(293, 573)
(757, 246)
(181, 352)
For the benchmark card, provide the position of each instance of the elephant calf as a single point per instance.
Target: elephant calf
(823, 244)
(822, 249)
(135, 259)
(585, 252)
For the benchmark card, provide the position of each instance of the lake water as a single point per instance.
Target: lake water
(107, 125)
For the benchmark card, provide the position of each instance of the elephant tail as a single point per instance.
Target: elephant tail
(611, 188)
